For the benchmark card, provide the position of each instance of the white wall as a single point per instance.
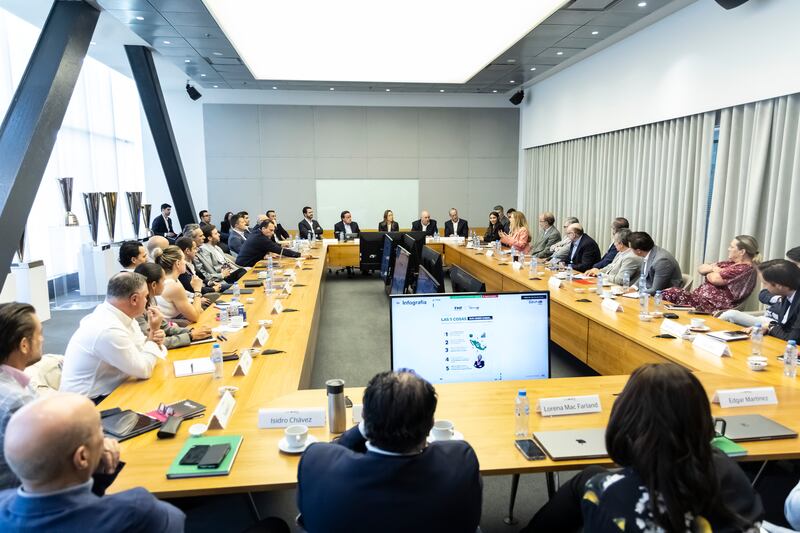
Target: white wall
(698, 59)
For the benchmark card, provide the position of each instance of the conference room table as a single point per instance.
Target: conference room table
(483, 412)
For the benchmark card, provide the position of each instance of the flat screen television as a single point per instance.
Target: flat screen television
(400, 271)
(426, 283)
(453, 338)
(370, 248)
(432, 261)
(463, 281)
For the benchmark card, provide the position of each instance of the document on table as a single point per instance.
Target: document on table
(193, 367)
(633, 295)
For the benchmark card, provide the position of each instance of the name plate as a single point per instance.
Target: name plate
(489, 253)
(745, 397)
(289, 273)
(261, 337)
(220, 416)
(277, 307)
(243, 366)
(281, 418)
(569, 405)
(358, 410)
(287, 289)
(611, 305)
(554, 282)
(673, 328)
(718, 348)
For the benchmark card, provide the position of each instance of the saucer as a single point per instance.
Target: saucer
(701, 329)
(457, 435)
(285, 448)
(195, 430)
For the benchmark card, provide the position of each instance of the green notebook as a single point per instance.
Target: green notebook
(177, 470)
(730, 448)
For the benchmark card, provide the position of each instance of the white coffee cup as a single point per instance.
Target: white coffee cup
(296, 435)
(757, 362)
(616, 291)
(561, 275)
(443, 430)
(698, 322)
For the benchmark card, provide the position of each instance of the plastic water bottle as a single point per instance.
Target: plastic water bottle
(756, 340)
(237, 291)
(216, 358)
(521, 414)
(223, 316)
(644, 303)
(599, 284)
(569, 272)
(341, 236)
(269, 284)
(532, 267)
(657, 300)
(269, 263)
(497, 246)
(626, 280)
(790, 359)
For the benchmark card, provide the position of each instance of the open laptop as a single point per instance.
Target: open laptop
(741, 428)
(589, 443)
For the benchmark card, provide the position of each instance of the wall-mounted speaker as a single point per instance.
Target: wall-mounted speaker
(517, 97)
(730, 4)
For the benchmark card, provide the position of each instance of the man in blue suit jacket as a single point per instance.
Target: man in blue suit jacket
(583, 252)
(381, 476)
(53, 445)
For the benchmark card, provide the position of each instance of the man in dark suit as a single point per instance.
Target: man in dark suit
(504, 221)
(381, 475)
(205, 217)
(280, 233)
(260, 244)
(346, 225)
(162, 224)
(618, 224)
(456, 226)
(239, 233)
(425, 223)
(583, 251)
(782, 278)
(659, 268)
(308, 226)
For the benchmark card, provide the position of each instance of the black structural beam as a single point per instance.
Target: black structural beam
(144, 72)
(34, 117)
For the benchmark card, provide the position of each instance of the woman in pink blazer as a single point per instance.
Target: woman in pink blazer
(520, 237)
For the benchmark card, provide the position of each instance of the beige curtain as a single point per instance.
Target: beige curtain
(657, 176)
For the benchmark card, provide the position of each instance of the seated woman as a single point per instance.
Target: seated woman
(174, 336)
(625, 262)
(672, 478)
(727, 283)
(520, 237)
(493, 230)
(174, 302)
(388, 223)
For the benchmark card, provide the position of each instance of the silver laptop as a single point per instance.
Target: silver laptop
(587, 443)
(755, 427)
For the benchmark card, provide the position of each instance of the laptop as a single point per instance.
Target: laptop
(740, 428)
(589, 443)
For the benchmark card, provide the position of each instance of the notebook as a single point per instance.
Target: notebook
(178, 471)
(589, 443)
(127, 424)
(728, 336)
(193, 367)
(728, 447)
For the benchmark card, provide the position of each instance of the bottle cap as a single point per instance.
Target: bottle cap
(216, 345)
(335, 386)
(792, 343)
(522, 392)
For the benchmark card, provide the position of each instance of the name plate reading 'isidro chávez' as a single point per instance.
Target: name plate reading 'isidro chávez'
(569, 405)
(281, 418)
(745, 397)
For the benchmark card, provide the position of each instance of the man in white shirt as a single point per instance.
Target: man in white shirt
(109, 347)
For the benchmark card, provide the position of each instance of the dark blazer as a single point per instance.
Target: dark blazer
(493, 232)
(586, 254)
(159, 227)
(662, 271)
(382, 226)
(790, 329)
(339, 227)
(432, 228)
(343, 487)
(462, 230)
(280, 233)
(305, 229)
(505, 223)
(236, 241)
(611, 253)
(257, 246)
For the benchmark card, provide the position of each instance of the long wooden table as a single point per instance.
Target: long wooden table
(482, 411)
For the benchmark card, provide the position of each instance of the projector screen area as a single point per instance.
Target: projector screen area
(367, 200)
(453, 338)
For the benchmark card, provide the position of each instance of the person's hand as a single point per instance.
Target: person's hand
(200, 333)
(205, 301)
(592, 272)
(158, 336)
(226, 271)
(196, 283)
(502, 233)
(217, 287)
(110, 458)
(154, 318)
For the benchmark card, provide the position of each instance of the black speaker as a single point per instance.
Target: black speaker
(516, 99)
(193, 93)
(730, 4)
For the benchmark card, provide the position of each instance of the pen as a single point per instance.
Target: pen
(222, 337)
(191, 368)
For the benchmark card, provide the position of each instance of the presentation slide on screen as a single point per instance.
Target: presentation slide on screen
(485, 337)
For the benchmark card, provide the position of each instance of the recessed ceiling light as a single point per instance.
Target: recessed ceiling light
(215, 86)
(331, 89)
(217, 53)
(642, 4)
(139, 18)
(279, 40)
(595, 32)
(388, 90)
(441, 90)
(273, 87)
(167, 42)
(512, 81)
(533, 68)
(511, 60)
(187, 60)
(202, 75)
(559, 53)
(494, 91)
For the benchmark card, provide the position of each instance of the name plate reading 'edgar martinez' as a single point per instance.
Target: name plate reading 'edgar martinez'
(281, 418)
(569, 405)
(744, 397)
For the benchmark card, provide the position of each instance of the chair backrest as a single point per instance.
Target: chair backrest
(687, 282)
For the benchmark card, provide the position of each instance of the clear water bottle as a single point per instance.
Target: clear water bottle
(223, 316)
(626, 280)
(532, 267)
(521, 414)
(644, 303)
(237, 291)
(216, 358)
(269, 284)
(599, 284)
(657, 300)
(790, 359)
(341, 236)
(269, 263)
(756, 340)
(497, 245)
(569, 272)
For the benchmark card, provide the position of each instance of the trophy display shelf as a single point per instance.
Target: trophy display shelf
(97, 265)
(31, 286)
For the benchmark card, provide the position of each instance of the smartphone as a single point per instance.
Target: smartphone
(673, 316)
(214, 456)
(530, 450)
(194, 454)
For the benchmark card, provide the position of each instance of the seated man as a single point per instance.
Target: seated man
(625, 262)
(131, 255)
(212, 263)
(547, 237)
(109, 347)
(260, 244)
(54, 445)
(504, 221)
(456, 227)
(210, 287)
(782, 278)
(381, 476)
(618, 224)
(659, 269)
(308, 227)
(346, 225)
(280, 233)
(155, 242)
(425, 223)
(583, 251)
(239, 233)
(205, 217)
(162, 224)
(559, 251)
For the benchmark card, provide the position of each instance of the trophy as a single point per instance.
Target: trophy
(146, 218)
(65, 184)
(91, 201)
(135, 207)
(110, 213)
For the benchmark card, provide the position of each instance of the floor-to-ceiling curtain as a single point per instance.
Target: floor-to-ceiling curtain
(657, 176)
